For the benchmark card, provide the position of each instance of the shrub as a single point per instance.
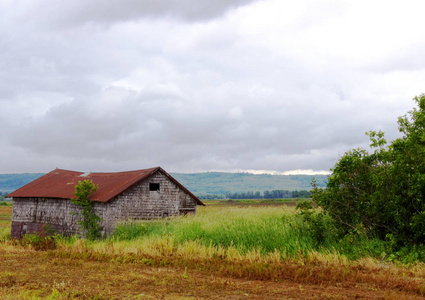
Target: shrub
(382, 193)
(90, 222)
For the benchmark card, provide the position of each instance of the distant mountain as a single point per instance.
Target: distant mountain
(11, 182)
(209, 183)
(220, 183)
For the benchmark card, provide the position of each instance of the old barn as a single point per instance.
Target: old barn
(133, 195)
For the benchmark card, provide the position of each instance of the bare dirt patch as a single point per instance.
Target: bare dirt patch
(31, 274)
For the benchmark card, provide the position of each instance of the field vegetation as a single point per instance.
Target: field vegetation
(224, 251)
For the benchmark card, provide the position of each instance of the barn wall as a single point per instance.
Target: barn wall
(30, 214)
(139, 203)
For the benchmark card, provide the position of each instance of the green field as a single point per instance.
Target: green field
(245, 225)
(266, 228)
(225, 251)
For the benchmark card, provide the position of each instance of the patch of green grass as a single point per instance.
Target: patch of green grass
(246, 228)
(4, 233)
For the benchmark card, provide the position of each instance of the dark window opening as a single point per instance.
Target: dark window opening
(153, 186)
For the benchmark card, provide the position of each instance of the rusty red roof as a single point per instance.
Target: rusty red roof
(61, 184)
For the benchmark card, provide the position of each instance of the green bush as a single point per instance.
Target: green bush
(381, 194)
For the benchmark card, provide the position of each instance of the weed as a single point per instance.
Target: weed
(38, 242)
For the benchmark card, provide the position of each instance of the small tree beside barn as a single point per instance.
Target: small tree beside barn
(123, 196)
(89, 220)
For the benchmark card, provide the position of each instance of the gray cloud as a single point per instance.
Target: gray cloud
(75, 13)
(92, 86)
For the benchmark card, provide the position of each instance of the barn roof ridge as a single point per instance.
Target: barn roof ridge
(60, 183)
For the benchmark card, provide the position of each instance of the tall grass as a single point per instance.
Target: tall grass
(261, 229)
(4, 233)
(264, 229)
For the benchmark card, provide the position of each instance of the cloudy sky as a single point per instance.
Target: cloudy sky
(195, 85)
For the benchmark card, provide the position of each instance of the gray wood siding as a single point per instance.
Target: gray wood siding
(29, 212)
(139, 202)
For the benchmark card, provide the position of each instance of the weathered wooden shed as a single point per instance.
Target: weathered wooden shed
(133, 195)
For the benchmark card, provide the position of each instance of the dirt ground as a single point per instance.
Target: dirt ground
(34, 274)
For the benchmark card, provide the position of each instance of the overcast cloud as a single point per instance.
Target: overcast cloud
(196, 85)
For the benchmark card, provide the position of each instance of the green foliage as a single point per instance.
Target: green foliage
(316, 223)
(89, 220)
(4, 233)
(39, 241)
(408, 254)
(382, 193)
(306, 209)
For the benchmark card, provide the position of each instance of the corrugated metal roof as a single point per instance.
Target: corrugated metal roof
(61, 184)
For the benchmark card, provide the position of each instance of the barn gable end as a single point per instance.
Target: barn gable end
(138, 202)
(141, 200)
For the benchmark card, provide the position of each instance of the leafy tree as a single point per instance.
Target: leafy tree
(89, 220)
(382, 193)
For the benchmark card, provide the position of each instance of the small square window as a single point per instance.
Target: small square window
(153, 186)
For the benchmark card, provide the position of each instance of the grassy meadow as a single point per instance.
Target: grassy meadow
(245, 229)
(5, 221)
(264, 245)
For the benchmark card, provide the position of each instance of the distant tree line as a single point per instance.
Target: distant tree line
(274, 194)
(211, 196)
(3, 195)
